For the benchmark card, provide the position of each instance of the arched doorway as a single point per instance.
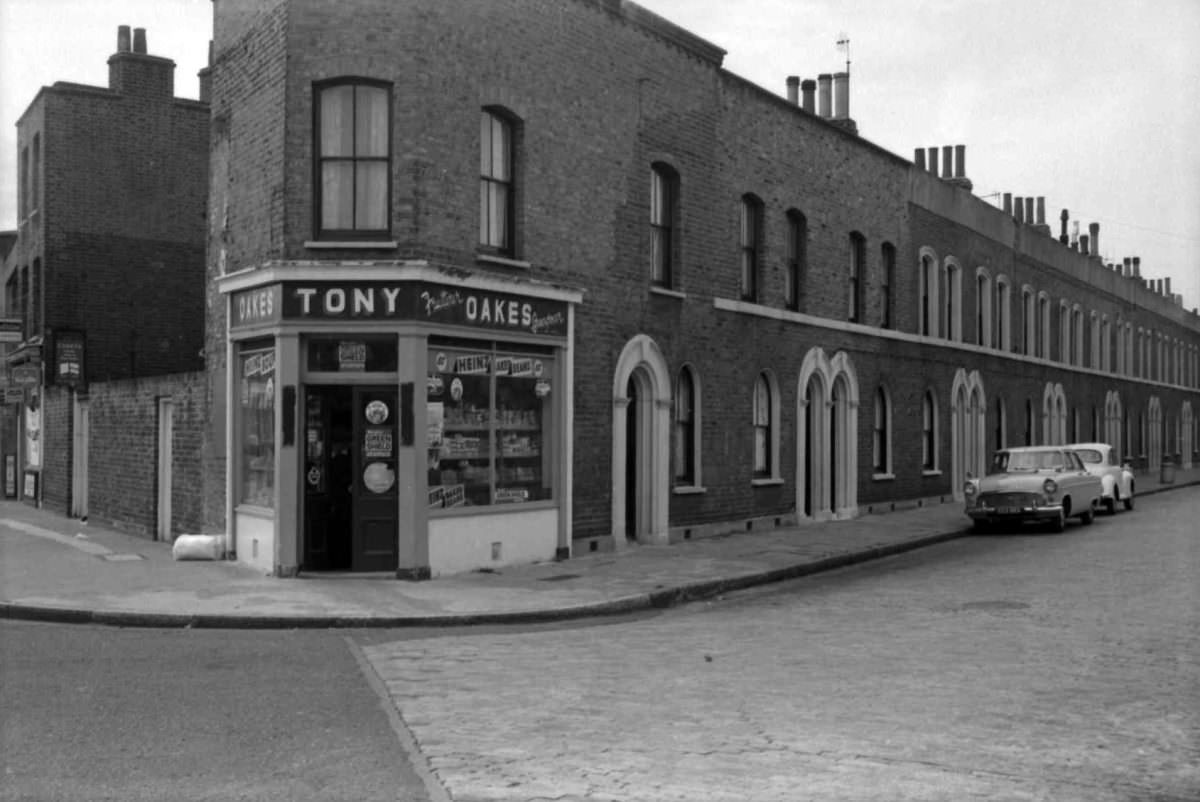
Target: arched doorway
(826, 448)
(968, 429)
(641, 444)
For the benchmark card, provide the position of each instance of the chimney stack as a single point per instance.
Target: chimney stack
(1041, 212)
(824, 94)
(1137, 266)
(1167, 285)
(948, 161)
(793, 89)
(1083, 244)
(135, 72)
(933, 161)
(919, 158)
(1064, 217)
(139, 40)
(808, 91)
(841, 95)
(205, 76)
(123, 39)
(1128, 272)
(1094, 231)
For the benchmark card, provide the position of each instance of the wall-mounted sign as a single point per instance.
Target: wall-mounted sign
(27, 375)
(14, 395)
(11, 330)
(68, 358)
(403, 300)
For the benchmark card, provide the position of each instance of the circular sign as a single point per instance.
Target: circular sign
(377, 412)
(314, 476)
(441, 362)
(378, 477)
(537, 367)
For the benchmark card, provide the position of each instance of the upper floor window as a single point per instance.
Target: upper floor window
(881, 445)
(952, 325)
(797, 255)
(928, 320)
(1043, 326)
(858, 258)
(663, 184)
(750, 241)
(24, 191)
(496, 206)
(983, 308)
(35, 176)
(1002, 315)
(1027, 321)
(886, 287)
(353, 193)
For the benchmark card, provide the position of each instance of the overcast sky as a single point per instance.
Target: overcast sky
(1090, 103)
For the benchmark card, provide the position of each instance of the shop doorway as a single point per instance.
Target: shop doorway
(350, 494)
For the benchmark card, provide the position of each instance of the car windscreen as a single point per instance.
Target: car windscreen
(1026, 461)
(1090, 455)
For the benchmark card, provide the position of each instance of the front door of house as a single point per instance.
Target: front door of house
(350, 493)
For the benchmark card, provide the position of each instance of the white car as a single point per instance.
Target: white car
(1100, 459)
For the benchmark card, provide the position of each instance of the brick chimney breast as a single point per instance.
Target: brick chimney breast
(136, 73)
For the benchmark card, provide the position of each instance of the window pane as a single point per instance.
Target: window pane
(485, 144)
(500, 150)
(371, 125)
(371, 194)
(760, 449)
(337, 198)
(337, 121)
(258, 428)
(762, 411)
(497, 205)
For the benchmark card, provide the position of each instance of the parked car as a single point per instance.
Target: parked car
(1033, 484)
(1116, 478)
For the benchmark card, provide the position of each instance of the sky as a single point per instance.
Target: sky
(1091, 104)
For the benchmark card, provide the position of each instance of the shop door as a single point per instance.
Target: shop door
(350, 493)
(375, 495)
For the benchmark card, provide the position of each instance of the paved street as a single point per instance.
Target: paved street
(93, 714)
(1017, 667)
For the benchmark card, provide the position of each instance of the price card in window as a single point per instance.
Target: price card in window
(377, 443)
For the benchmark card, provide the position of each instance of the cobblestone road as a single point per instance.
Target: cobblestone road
(1026, 667)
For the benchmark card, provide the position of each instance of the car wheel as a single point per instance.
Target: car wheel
(1059, 523)
(1110, 505)
(1087, 516)
(1128, 500)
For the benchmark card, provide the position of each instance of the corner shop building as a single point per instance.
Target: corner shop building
(426, 412)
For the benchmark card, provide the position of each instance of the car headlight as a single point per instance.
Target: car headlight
(1050, 487)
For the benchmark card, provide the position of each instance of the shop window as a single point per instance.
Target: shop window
(490, 425)
(257, 413)
(353, 186)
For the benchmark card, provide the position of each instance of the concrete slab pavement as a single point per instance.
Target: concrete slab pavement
(54, 568)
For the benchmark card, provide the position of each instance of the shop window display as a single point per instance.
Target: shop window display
(489, 416)
(258, 427)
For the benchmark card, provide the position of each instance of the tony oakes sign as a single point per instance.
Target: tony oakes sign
(381, 300)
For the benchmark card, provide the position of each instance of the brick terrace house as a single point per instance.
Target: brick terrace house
(107, 276)
(644, 299)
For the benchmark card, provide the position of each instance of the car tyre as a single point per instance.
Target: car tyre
(1087, 516)
(1129, 500)
(1110, 506)
(1059, 523)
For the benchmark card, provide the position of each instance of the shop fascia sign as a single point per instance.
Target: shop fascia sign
(415, 300)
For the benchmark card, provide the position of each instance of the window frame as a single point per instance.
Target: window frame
(881, 443)
(857, 273)
(797, 258)
(664, 212)
(765, 399)
(750, 247)
(886, 288)
(498, 119)
(686, 461)
(354, 233)
(929, 433)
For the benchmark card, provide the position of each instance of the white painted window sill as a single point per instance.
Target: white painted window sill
(766, 482)
(654, 290)
(883, 477)
(350, 245)
(689, 490)
(503, 261)
(931, 473)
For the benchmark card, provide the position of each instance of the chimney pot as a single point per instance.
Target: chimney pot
(1094, 230)
(919, 158)
(1064, 217)
(948, 161)
(960, 161)
(1083, 244)
(808, 91)
(122, 38)
(1128, 272)
(933, 160)
(824, 94)
(139, 40)
(1029, 218)
(1008, 209)
(1137, 266)
(1041, 211)
(793, 89)
(1167, 285)
(1019, 208)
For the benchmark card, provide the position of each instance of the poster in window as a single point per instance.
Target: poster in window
(377, 444)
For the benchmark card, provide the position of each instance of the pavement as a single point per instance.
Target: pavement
(54, 568)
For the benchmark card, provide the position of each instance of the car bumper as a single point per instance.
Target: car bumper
(1015, 515)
